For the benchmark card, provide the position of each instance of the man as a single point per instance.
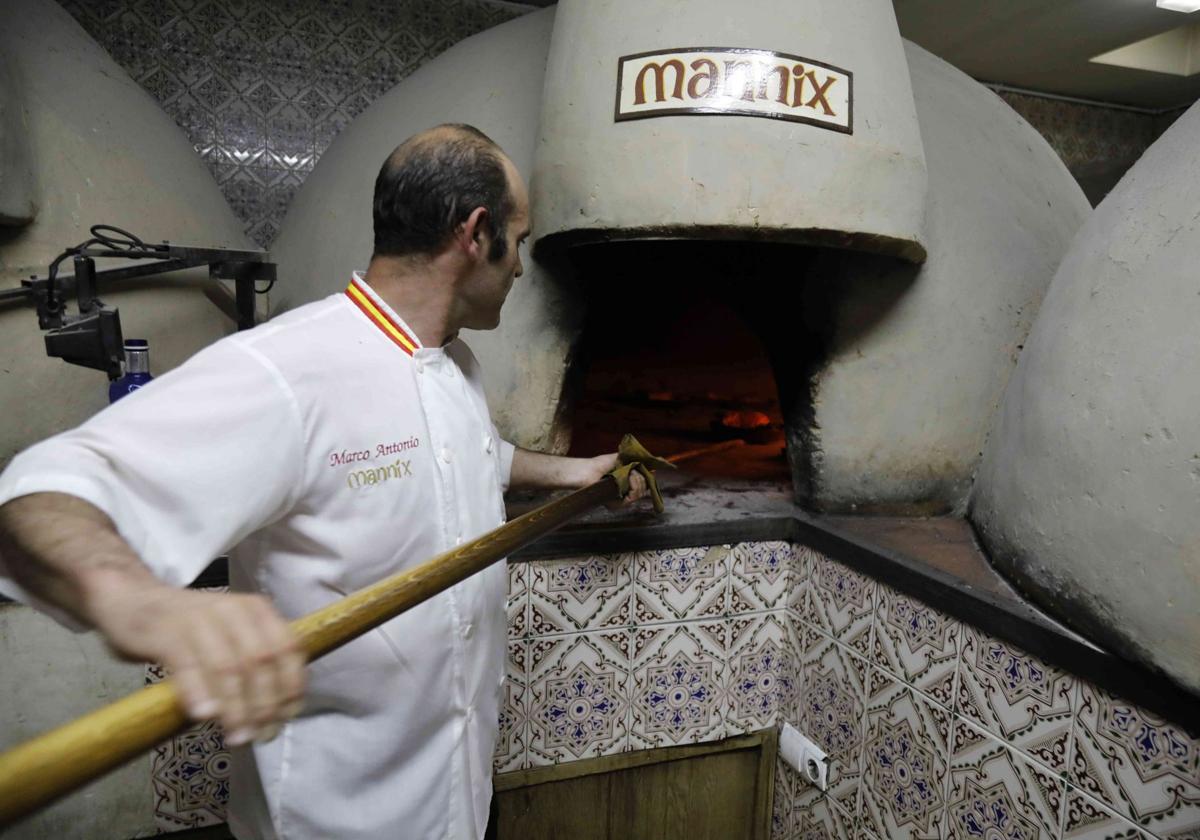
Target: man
(335, 445)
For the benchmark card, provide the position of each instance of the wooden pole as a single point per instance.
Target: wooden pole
(45, 768)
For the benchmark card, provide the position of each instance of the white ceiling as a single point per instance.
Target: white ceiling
(1044, 45)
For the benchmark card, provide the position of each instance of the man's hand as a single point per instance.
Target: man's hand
(600, 466)
(232, 656)
(555, 472)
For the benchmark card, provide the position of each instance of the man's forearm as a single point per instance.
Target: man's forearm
(232, 655)
(537, 470)
(66, 553)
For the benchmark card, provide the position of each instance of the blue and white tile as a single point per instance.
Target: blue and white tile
(1016, 697)
(579, 699)
(761, 682)
(510, 752)
(917, 644)
(905, 764)
(816, 817)
(760, 575)
(994, 791)
(1135, 762)
(678, 584)
(840, 602)
(677, 691)
(781, 801)
(517, 603)
(584, 593)
(1086, 819)
(189, 773)
(831, 713)
(804, 560)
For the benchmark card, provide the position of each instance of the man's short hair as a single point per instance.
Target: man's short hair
(432, 182)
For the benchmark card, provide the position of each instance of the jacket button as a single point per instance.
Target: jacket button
(444, 455)
(487, 444)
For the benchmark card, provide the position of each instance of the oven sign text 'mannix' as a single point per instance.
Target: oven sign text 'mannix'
(730, 81)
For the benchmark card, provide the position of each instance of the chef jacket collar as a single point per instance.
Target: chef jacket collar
(383, 316)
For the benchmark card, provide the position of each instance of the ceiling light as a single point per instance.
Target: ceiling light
(1179, 5)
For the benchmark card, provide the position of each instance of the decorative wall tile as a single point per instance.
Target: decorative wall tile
(761, 574)
(514, 719)
(904, 766)
(781, 801)
(580, 593)
(804, 560)
(675, 584)
(579, 700)
(261, 88)
(917, 644)
(816, 817)
(189, 774)
(762, 677)
(517, 604)
(1137, 764)
(996, 792)
(841, 603)
(1017, 697)
(831, 713)
(1086, 819)
(678, 692)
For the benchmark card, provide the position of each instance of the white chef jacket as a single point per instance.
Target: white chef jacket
(324, 450)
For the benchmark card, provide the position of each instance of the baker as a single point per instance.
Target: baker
(335, 445)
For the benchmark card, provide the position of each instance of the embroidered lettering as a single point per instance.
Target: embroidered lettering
(378, 475)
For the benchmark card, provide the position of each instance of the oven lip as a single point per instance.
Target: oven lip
(1011, 619)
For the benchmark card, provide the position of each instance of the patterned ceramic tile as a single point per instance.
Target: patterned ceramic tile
(841, 603)
(803, 640)
(760, 575)
(261, 88)
(816, 817)
(1086, 819)
(1136, 763)
(916, 644)
(678, 691)
(804, 560)
(996, 792)
(762, 677)
(781, 801)
(189, 774)
(580, 593)
(517, 604)
(905, 753)
(579, 699)
(1016, 697)
(514, 720)
(676, 584)
(728, 632)
(831, 713)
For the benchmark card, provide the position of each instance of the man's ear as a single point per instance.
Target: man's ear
(473, 233)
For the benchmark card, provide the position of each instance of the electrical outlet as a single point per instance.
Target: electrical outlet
(803, 756)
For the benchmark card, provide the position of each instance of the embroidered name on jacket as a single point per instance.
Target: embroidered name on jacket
(378, 475)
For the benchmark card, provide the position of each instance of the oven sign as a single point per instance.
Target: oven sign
(727, 81)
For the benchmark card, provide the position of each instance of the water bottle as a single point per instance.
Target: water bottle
(137, 369)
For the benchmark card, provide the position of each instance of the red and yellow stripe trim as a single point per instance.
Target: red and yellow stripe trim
(398, 334)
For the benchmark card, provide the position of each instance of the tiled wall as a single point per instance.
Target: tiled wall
(1097, 143)
(934, 729)
(938, 730)
(261, 87)
(643, 650)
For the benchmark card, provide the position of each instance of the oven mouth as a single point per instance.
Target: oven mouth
(700, 346)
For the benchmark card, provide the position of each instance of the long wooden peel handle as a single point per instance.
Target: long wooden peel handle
(41, 770)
